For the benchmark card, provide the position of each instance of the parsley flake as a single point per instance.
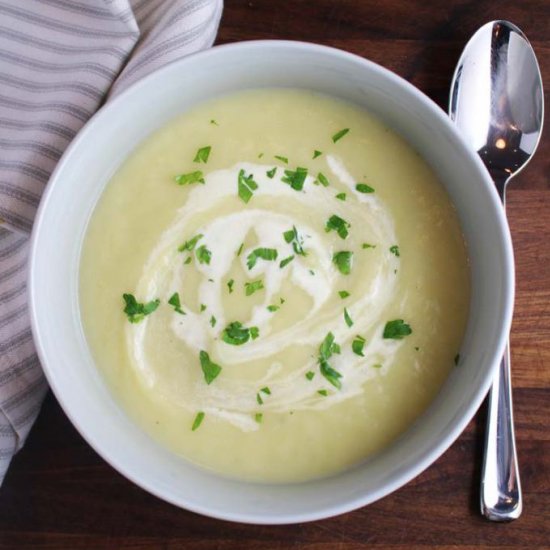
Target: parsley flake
(326, 350)
(209, 368)
(324, 393)
(295, 178)
(286, 261)
(258, 417)
(268, 254)
(202, 308)
(396, 330)
(202, 154)
(273, 308)
(338, 224)
(203, 255)
(292, 236)
(246, 186)
(135, 310)
(340, 196)
(240, 249)
(323, 179)
(230, 284)
(282, 159)
(198, 421)
(214, 122)
(213, 321)
(343, 260)
(343, 294)
(395, 250)
(191, 177)
(339, 135)
(254, 286)
(236, 334)
(316, 154)
(364, 188)
(310, 374)
(271, 173)
(357, 345)
(367, 245)
(347, 318)
(175, 301)
(188, 260)
(190, 244)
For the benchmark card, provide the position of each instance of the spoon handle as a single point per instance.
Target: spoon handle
(501, 498)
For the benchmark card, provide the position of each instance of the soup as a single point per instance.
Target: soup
(274, 285)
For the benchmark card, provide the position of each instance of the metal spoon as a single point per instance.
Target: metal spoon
(497, 103)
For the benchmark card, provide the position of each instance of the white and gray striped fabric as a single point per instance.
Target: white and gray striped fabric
(59, 60)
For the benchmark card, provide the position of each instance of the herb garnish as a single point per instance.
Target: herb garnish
(396, 329)
(246, 186)
(326, 350)
(230, 284)
(282, 159)
(135, 310)
(347, 318)
(343, 260)
(364, 188)
(357, 345)
(339, 135)
(202, 154)
(198, 421)
(340, 196)
(209, 368)
(188, 260)
(268, 254)
(240, 249)
(395, 250)
(213, 321)
(190, 244)
(273, 308)
(324, 393)
(175, 301)
(310, 374)
(202, 308)
(343, 294)
(203, 255)
(191, 177)
(212, 121)
(295, 178)
(367, 245)
(377, 366)
(316, 154)
(236, 334)
(250, 288)
(286, 261)
(338, 224)
(292, 236)
(323, 179)
(258, 417)
(271, 173)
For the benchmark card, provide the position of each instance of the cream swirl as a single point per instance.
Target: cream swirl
(281, 356)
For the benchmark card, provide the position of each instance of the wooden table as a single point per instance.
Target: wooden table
(60, 494)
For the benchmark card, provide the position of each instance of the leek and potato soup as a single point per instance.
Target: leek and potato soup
(274, 285)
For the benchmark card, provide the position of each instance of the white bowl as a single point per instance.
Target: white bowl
(107, 140)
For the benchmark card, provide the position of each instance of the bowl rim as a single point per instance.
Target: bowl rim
(429, 456)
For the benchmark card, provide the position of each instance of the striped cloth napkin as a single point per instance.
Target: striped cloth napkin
(59, 60)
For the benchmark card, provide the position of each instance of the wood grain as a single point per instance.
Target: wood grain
(60, 494)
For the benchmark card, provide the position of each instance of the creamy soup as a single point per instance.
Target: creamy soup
(274, 285)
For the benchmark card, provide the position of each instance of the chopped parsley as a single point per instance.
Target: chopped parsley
(271, 173)
(357, 345)
(343, 260)
(230, 284)
(282, 159)
(240, 249)
(268, 254)
(310, 374)
(202, 154)
(339, 135)
(135, 310)
(188, 260)
(340, 196)
(254, 286)
(343, 294)
(364, 188)
(198, 421)
(236, 334)
(266, 390)
(246, 186)
(209, 368)
(395, 250)
(191, 177)
(258, 417)
(203, 255)
(292, 236)
(295, 178)
(175, 301)
(338, 224)
(260, 155)
(214, 122)
(347, 318)
(324, 393)
(316, 154)
(323, 179)
(326, 350)
(213, 321)
(367, 245)
(377, 366)
(202, 308)
(286, 261)
(273, 308)
(259, 399)
(457, 358)
(396, 330)
(190, 244)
